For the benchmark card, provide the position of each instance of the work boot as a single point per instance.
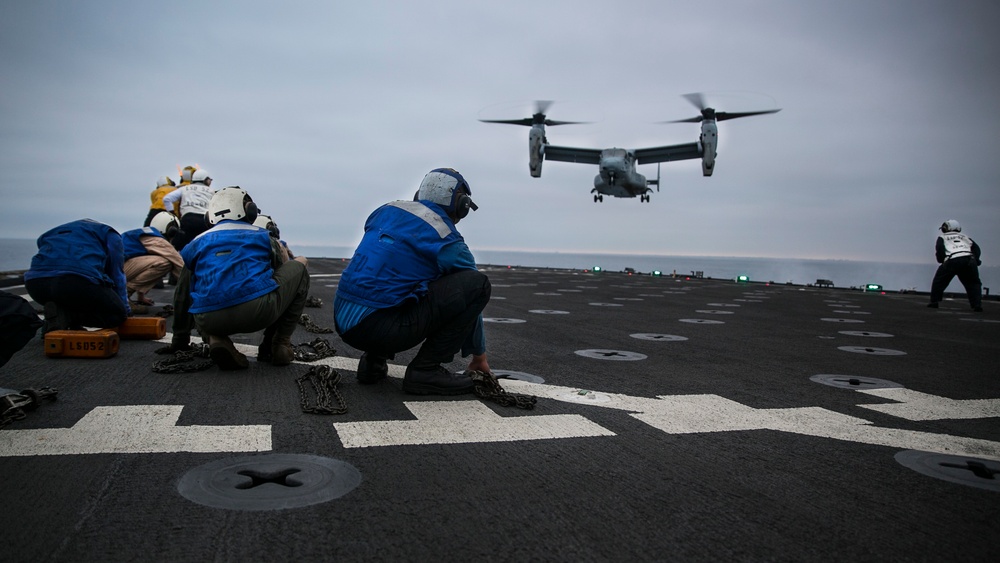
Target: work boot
(436, 381)
(264, 350)
(225, 355)
(55, 318)
(282, 352)
(933, 305)
(371, 369)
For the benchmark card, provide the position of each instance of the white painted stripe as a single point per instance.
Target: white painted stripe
(913, 405)
(462, 422)
(685, 414)
(134, 429)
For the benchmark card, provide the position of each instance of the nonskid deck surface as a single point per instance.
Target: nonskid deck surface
(677, 419)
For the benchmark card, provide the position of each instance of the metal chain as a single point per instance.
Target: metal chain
(318, 349)
(323, 380)
(13, 405)
(178, 364)
(487, 387)
(314, 302)
(309, 325)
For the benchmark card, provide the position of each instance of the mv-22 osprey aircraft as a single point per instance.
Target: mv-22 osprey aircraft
(618, 176)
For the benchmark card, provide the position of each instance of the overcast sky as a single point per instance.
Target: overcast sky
(890, 112)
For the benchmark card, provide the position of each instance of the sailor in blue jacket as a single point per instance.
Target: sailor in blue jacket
(236, 280)
(78, 276)
(411, 280)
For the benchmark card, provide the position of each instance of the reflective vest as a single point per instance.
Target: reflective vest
(398, 255)
(230, 264)
(134, 246)
(956, 244)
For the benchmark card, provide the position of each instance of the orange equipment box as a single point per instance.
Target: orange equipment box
(142, 328)
(81, 343)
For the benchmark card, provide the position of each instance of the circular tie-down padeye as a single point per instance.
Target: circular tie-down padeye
(518, 375)
(865, 333)
(872, 351)
(702, 321)
(613, 355)
(268, 482)
(658, 337)
(855, 382)
(503, 320)
(971, 471)
(548, 312)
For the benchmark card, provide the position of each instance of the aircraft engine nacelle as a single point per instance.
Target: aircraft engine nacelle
(536, 150)
(709, 141)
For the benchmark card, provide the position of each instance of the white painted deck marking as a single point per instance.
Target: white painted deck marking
(134, 429)
(687, 414)
(463, 422)
(914, 405)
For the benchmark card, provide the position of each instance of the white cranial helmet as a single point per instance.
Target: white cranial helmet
(200, 176)
(951, 226)
(166, 223)
(164, 181)
(265, 222)
(231, 203)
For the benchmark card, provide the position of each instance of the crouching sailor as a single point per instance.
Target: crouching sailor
(78, 277)
(412, 280)
(149, 256)
(235, 281)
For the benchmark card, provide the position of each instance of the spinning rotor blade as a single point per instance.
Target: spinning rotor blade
(541, 106)
(698, 100)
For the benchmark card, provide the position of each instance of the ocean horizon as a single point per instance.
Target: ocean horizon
(15, 255)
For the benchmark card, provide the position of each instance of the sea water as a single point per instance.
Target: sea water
(15, 255)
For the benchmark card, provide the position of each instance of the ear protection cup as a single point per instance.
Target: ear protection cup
(463, 203)
(251, 211)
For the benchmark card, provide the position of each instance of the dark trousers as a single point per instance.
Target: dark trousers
(968, 273)
(276, 313)
(84, 303)
(149, 216)
(192, 225)
(443, 319)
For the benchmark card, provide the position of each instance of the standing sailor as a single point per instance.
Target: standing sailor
(164, 185)
(958, 255)
(194, 199)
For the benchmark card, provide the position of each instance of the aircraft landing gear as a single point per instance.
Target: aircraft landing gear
(644, 198)
(598, 198)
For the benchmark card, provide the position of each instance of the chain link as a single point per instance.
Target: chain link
(487, 387)
(178, 364)
(13, 405)
(318, 349)
(309, 325)
(323, 381)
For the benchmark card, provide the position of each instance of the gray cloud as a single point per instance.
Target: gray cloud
(322, 113)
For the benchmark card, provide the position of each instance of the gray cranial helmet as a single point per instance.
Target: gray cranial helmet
(447, 188)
